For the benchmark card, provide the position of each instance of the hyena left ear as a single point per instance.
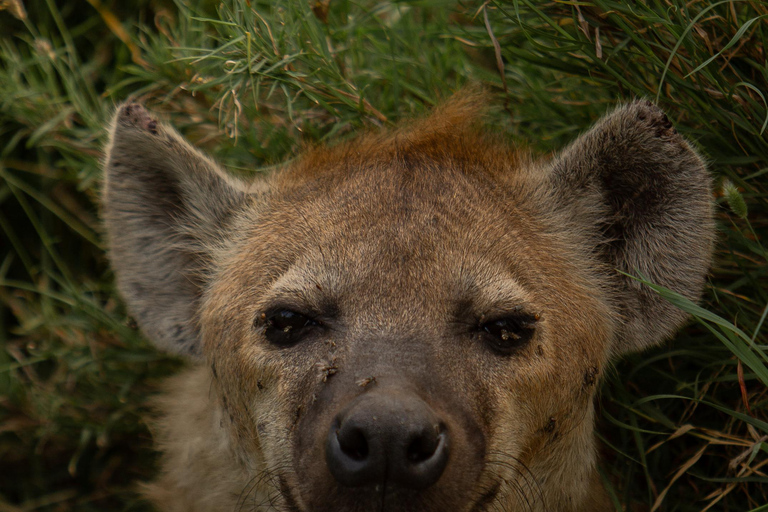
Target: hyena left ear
(164, 205)
(634, 183)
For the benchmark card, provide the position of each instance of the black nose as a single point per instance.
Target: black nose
(392, 437)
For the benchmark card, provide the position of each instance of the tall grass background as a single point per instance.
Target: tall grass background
(683, 427)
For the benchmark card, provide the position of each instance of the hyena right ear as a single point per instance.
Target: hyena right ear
(635, 186)
(163, 203)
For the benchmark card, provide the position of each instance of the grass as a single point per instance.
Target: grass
(683, 427)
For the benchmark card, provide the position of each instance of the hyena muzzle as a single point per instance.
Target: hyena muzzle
(414, 320)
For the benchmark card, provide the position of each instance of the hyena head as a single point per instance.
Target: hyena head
(411, 321)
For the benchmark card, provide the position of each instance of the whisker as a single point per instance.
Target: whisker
(528, 489)
(268, 496)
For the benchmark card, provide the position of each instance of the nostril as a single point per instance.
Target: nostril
(353, 454)
(422, 447)
(353, 444)
(423, 460)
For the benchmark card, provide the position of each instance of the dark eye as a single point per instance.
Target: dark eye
(507, 334)
(285, 327)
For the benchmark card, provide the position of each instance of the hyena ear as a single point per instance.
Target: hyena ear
(649, 195)
(164, 203)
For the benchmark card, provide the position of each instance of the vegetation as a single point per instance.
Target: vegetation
(683, 427)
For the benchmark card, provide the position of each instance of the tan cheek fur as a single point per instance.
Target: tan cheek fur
(546, 421)
(201, 470)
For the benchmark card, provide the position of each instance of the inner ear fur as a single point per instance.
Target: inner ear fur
(164, 203)
(647, 194)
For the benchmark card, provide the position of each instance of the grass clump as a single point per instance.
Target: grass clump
(683, 428)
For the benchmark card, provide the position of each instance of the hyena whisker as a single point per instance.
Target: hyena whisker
(513, 463)
(481, 500)
(249, 489)
(266, 475)
(522, 470)
(520, 493)
(498, 503)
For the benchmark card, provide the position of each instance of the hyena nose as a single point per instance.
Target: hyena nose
(387, 437)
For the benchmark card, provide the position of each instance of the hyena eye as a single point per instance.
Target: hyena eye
(507, 334)
(284, 327)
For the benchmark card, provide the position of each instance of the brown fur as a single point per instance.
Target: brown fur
(401, 244)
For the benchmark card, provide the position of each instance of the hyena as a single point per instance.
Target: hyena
(414, 320)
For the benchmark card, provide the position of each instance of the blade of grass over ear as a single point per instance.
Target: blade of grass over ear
(736, 340)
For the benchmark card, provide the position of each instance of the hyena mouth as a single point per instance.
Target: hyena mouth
(390, 447)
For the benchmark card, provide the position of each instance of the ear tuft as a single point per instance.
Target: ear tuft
(137, 116)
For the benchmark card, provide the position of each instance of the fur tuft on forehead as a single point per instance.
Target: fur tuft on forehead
(452, 136)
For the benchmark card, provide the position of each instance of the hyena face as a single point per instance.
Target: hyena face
(413, 321)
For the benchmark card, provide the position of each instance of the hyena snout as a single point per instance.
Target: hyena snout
(390, 437)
